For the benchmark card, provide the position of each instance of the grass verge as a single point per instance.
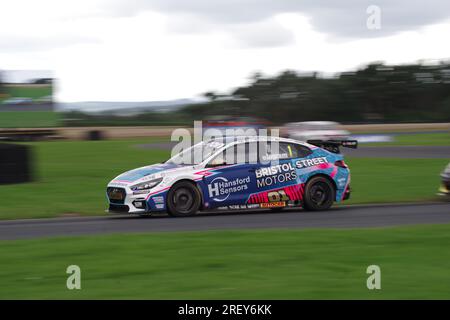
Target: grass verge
(285, 264)
(29, 119)
(71, 177)
(377, 180)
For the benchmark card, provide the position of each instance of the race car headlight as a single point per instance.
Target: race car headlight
(146, 185)
(447, 169)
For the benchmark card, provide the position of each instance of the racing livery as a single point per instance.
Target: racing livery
(444, 189)
(238, 173)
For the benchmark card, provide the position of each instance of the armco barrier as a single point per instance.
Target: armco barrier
(28, 134)
(15, 163)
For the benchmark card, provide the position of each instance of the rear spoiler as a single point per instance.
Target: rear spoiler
(333, 145)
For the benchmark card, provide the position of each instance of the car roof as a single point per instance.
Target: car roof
(241, 139)
(314, 123)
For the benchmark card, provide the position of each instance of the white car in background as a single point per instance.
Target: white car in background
(17, 100)
(315, 130)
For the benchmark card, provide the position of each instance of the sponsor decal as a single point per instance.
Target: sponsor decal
(342, 182)
(289, 193)
(158, 199)
(276, 196)
(220, 188)
(152, 177)
(269, 176)
(306, 163)
(272, 157)
(239, 207)
(277, 204)
(159, 206)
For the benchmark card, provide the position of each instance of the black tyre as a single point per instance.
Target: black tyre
(319, 194)
(183, 199)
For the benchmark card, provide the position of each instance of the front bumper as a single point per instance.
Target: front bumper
(444, 189)
(118, 208)
(122, 200)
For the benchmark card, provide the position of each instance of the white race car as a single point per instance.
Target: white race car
(317, 130)
(277, 173)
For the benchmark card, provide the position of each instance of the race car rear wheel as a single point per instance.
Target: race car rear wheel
(183, 199)
(319, 194)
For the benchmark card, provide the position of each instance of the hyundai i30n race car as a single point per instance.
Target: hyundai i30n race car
(247, 173)
(444, 189)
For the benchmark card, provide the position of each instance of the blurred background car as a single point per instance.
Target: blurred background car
(445, 183)
(314, 130)
(45, 99)
(18, 100)
(242, 124)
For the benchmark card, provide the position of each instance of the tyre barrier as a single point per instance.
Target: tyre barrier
(15, 163)
(94, 135)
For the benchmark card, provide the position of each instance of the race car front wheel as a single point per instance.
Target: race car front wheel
(183, 199)
(319, 194)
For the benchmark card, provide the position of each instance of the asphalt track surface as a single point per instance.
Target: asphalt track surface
(404, 152)
(338, 217)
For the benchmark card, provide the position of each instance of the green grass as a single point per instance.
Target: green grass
(284, 264)
(422, 139)
(394, 180)
(29, 119)
(28, 91)
(72, 177)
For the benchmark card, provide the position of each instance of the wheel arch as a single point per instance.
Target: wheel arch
(309, 205)
(193, 182)
(326, 177)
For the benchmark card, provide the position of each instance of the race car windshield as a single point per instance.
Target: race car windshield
(320, 127)
(197, 153)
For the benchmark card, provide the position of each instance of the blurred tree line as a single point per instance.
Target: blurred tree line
(81, 119)
(375, 93)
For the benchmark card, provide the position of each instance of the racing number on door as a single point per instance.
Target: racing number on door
(277, 196)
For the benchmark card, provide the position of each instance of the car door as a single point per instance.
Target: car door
(230, 177)
(277, 181)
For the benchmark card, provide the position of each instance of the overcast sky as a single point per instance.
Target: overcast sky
(138, 50)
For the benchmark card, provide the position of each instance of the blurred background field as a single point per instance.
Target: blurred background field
(71, 176)
(32, 91)
(431, 139)
(29, 119)
(263, 264)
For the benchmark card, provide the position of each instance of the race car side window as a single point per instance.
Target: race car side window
(282, 150)
(246, 152)
(237, 154)
(219, 160)
(298, 151)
